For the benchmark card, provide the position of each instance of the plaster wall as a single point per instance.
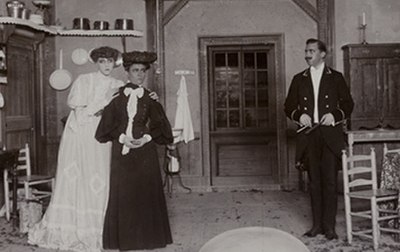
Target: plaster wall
(227, 18)
(382, 18)
(230, 18)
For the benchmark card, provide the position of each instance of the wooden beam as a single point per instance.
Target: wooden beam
(151, 20)
(326, 28)
(173, 10)
(307, 8)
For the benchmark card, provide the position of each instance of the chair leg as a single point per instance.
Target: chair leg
(348, 219)
(53, 184)
(26, 189)
(375, 225)
(7, 199)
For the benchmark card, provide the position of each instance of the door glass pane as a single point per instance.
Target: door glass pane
(250, 118)
(262, 98)
(221, 99)
(249, 98)
(262, 79)
(249, 79)
(234, 96)
(220, 60)
(263, 118)
(249, 60)
(234, 89)
(241, 94)
(234, 119)
(233, 59)
(219, 81)
(262, 60)
(221, 119)
(233, 78)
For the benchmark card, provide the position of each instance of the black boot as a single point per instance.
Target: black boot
(314, 231)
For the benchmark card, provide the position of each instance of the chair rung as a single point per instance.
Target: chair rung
(387, 198)
(42, 193)
(362, 214)
(40, 197)
(390, 217)
(34, 178)
(363, 233)
(390, 230)
(387, 211)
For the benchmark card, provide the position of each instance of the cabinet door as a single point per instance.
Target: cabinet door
(391, 84)
(19, 96)
(367, 92)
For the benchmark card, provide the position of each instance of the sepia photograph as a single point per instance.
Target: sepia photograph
(200, 125)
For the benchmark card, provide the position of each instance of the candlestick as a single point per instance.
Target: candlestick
(362, 29)
(363, 19)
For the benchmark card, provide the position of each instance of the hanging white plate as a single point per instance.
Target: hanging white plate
(79, 56)
(1, 100)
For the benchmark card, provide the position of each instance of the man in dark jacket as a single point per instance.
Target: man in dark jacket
(319, 101)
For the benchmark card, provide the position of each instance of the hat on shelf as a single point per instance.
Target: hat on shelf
(105, 52)
(137, 57)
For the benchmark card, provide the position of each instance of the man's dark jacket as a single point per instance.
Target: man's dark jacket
(334, 97)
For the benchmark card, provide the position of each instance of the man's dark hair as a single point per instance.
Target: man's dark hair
(321, 45)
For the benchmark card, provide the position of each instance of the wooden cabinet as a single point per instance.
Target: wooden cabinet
(373, 73)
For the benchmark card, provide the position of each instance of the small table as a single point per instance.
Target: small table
(9, 161)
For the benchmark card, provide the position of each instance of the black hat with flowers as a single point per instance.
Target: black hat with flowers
(138, 57)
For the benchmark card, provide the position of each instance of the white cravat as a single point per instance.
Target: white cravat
(131, 108)
(316, 74)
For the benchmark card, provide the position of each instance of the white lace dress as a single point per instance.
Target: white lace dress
(75, 216)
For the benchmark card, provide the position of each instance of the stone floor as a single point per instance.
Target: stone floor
(197, 217)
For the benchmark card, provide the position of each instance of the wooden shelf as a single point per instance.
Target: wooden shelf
(62, 32)
(98, 33)
(28, 23)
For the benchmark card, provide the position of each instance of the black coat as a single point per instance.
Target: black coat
(334, 97)
(136, 216)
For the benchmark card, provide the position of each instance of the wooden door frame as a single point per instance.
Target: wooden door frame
(277, 40)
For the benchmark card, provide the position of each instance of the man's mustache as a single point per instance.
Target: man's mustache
(308, 58)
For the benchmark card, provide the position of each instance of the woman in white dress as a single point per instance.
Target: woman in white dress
(75, 216)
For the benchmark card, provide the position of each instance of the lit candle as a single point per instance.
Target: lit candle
(363, 19)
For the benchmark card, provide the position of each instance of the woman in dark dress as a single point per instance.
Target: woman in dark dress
(136, 216)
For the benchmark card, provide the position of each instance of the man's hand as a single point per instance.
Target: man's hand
(153, 95)
(328, 120)
(305, 120)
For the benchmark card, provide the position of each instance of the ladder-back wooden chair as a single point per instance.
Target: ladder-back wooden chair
(360, 182)
(27, 179)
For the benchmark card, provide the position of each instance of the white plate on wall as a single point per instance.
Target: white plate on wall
(79, 56)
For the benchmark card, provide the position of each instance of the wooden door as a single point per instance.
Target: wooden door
(243, 133)
(19, 110)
